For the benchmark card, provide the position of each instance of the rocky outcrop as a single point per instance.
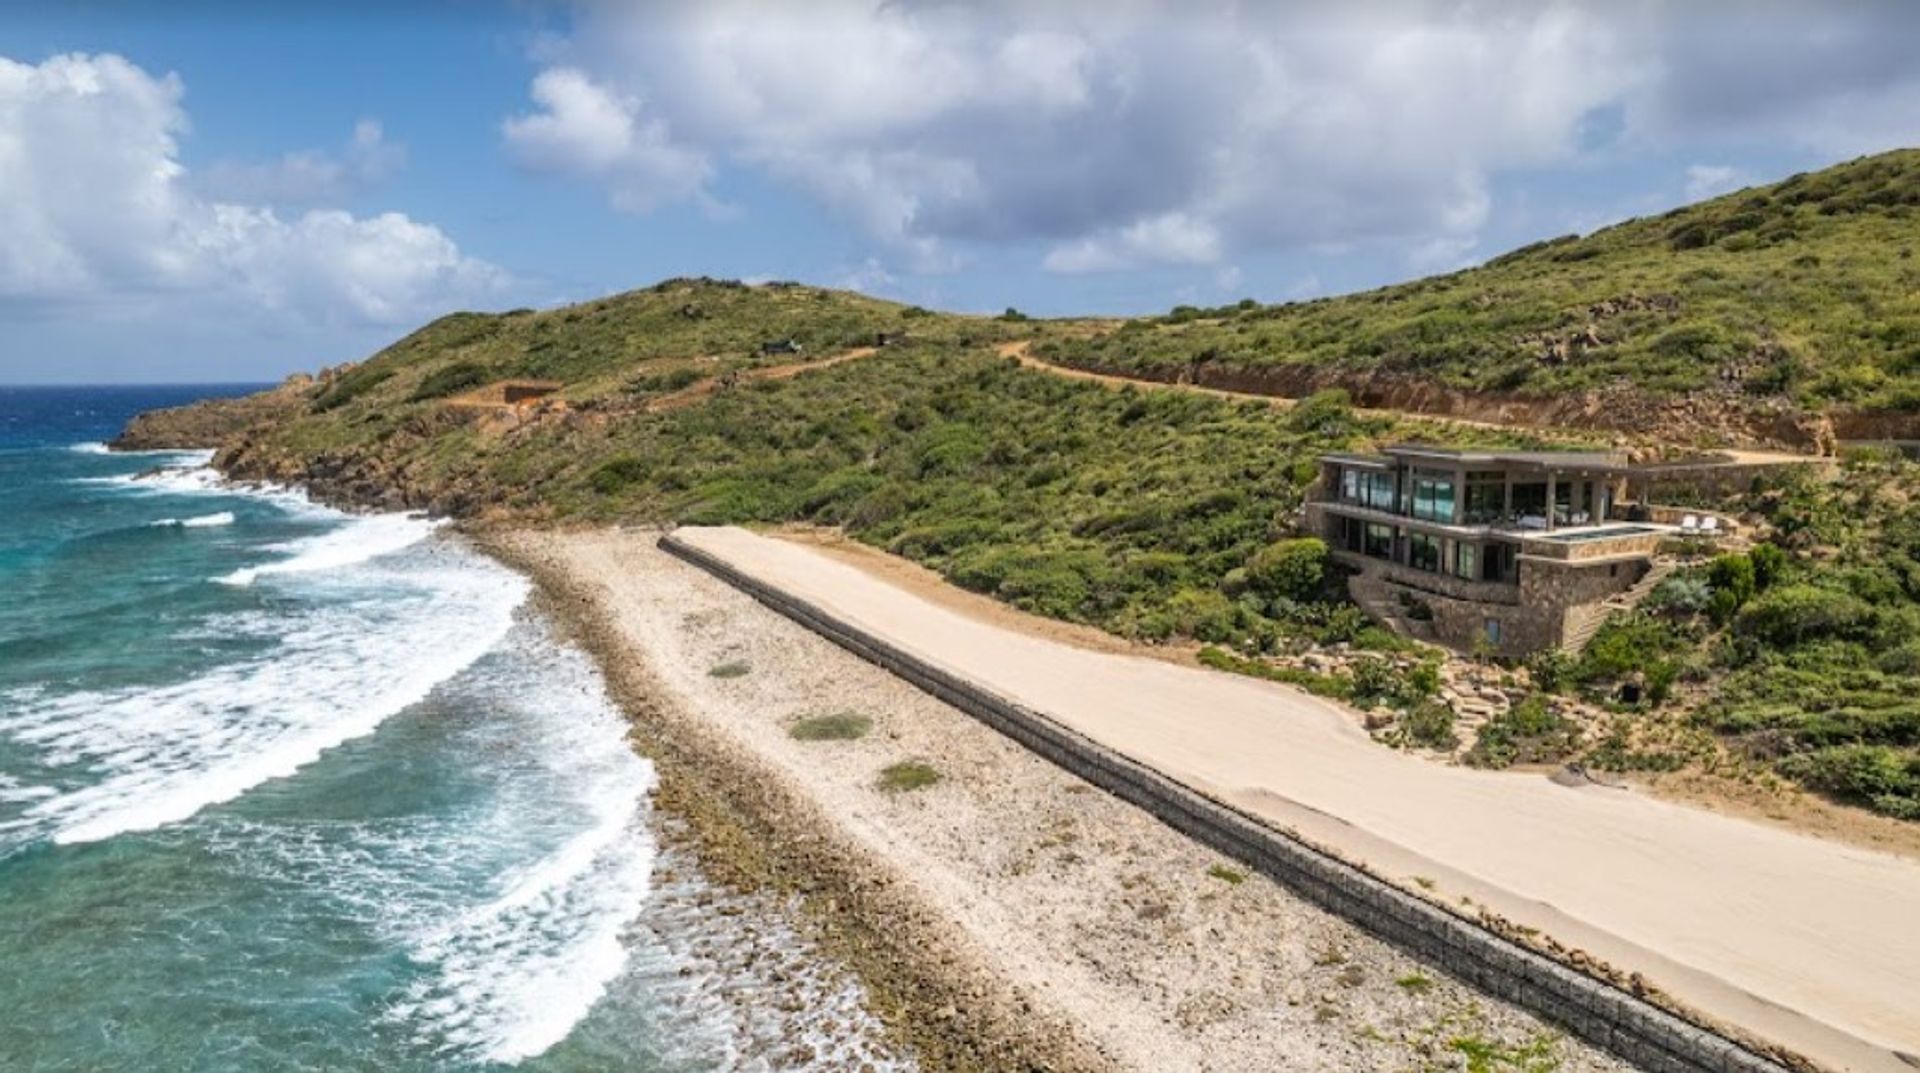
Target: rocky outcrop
(211, 423)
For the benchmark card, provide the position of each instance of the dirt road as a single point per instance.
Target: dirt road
(1806, 943)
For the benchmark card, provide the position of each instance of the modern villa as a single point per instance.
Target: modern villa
(1506, 552)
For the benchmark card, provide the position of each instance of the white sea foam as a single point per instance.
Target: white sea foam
(195, 478)
(155, 756)
(510, 976)
(364, 538)
(199, 521)
(186, 456)
(14, 792)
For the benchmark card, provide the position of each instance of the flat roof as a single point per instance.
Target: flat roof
(1344, 458)
(1556, 460)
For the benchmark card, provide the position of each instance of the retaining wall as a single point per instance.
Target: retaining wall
(1602, 1014)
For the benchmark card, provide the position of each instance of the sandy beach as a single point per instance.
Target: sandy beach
(1805, 943)
(1008, 915)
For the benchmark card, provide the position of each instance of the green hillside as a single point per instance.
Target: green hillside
(1806, 289)
(1167, 515)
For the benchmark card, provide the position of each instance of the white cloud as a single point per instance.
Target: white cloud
(98, 209)
(1708, 180)
(1120, 134)
(1115, 135)
(589, 130)
(309, 176)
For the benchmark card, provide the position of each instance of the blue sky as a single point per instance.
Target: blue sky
(220, 192)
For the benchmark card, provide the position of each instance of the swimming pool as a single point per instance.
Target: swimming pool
(1603, 533)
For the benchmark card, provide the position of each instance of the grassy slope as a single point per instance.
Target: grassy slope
(1807, 289)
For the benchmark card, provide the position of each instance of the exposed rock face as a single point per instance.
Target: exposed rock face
(211, 422)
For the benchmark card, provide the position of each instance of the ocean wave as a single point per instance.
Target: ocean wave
(199, 521)
(198, 479)
(155, 756)
(510, 976)
(189, 456)
(364, 538)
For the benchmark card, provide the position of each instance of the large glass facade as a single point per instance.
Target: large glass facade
(1432, 496)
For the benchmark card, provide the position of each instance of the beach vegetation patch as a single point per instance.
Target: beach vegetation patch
(907, 776)
(1227, 875)
(838, 726)
(738, 668)
(1415, 982)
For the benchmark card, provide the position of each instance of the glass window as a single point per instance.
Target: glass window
(1379, 540)
(1493, 631)
(1432, 496)
(1486, 498)
(1466, 561)
(1423, 552)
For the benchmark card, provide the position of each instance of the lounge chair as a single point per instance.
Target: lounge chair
(1690, 524)
(1709, 526)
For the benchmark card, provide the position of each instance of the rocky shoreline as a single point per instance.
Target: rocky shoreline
(1010, 917)
(751, 835)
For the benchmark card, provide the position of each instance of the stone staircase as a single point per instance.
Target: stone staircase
(1582, 632)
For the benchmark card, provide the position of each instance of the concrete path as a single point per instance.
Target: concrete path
(1811, 945)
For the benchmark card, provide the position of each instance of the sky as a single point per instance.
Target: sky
(202, 192)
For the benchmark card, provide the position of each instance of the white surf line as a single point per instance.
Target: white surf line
(157, 756)
(364, 538)
(511, 976)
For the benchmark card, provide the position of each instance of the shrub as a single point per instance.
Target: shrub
(616, 473)
(840, 726)
(1681, 594)
(351, 385)
(907, 776)
(1769, 565)
(1320, 685)
(732, 669)
(1324, 413)
(449, 379)
(1794, 614)
(1530, 732)
(1883, 778)
(1429, 724)
(1293, 569)
(1732, 579)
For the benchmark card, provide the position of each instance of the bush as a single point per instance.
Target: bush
(1681, 594)
(1429, 725)
(1769, 565)
(1732, 579)
(616, 473)
(1794, 614)
(1323, 413)
(449, 379)
(1320, 685)
(1528, 733)
(1880, 777)
(1292, 569)
(733, 669)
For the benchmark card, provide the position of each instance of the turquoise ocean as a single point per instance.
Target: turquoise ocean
(284, 788)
